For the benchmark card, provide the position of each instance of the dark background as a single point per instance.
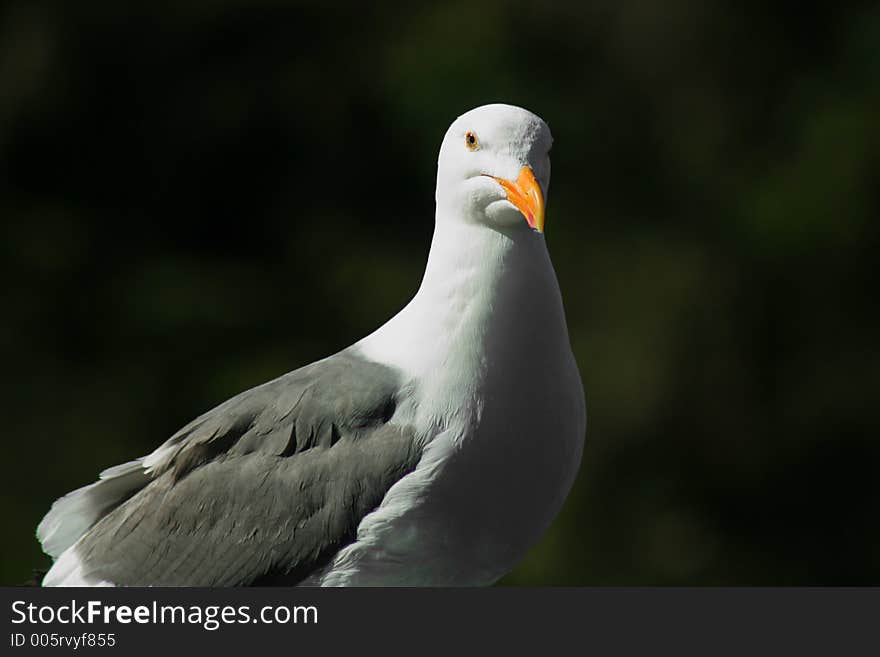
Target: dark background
(197, 197)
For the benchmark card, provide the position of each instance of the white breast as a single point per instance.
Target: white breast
(497, 395)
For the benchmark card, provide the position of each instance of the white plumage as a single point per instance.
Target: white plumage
(486, 386)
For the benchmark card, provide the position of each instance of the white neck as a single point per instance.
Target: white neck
(480, 287)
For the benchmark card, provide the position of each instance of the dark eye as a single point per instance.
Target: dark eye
(471, 141)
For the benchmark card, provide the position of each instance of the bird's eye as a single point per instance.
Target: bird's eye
(471, 141)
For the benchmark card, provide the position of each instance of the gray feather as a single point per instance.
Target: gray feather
(265, 488)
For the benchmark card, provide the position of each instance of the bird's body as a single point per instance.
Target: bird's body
(435, 451)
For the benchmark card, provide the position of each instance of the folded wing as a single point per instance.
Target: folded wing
(263, 489)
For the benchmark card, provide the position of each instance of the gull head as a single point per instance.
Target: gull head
(494, 169)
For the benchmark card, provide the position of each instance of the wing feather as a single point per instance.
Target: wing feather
(264, 488)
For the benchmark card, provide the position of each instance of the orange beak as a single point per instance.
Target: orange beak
(526, 195)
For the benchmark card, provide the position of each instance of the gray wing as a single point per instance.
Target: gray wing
(265, 488)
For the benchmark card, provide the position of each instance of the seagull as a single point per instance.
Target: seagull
(433, 452)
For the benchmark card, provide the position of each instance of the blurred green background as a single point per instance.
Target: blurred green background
(199, 196)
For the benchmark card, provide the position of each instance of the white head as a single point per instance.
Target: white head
(494, 169)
